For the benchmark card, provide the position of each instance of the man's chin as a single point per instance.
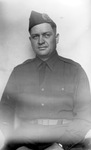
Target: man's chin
(44, 55)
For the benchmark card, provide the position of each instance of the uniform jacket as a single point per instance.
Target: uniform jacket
(64, 94)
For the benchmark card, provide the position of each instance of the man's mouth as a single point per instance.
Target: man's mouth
(42, 48)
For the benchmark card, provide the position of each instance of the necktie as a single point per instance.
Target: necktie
(42, 70)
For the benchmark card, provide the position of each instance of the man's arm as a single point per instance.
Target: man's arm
(7, 107)
(81, 123)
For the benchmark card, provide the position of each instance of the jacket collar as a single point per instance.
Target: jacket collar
(50, 62)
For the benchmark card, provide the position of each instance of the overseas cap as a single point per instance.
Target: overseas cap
(38, 18)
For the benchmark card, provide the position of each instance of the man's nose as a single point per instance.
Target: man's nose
(41, 40)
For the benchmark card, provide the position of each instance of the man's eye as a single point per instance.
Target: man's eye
(35, 37)
(47, 35)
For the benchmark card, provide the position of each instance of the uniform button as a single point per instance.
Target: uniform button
(42, 104)
(42, 89)
(62, 89)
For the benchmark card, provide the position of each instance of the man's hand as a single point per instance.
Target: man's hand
(88, 135)
(55, 146)
(23, 148)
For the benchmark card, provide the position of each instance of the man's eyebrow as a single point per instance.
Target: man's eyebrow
(47, 32)
(34, 34)
(41, 33)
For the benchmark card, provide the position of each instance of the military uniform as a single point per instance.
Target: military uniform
(46, 101)
(62, 99)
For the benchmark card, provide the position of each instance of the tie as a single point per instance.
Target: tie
(42, 70)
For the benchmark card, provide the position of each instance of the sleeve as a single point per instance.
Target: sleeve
(81, 123)
(7, 106)
(82, 96)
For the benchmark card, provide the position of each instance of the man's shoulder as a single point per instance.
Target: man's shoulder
(26, 62)
(23, 65)
(69, 62)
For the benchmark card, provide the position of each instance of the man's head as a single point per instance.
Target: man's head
(43, 35)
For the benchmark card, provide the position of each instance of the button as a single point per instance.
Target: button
(42, 89)
(42, 104)
(62, 89)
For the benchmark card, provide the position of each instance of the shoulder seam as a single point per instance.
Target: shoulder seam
(70, 61)
(25, 62)
(28, 61)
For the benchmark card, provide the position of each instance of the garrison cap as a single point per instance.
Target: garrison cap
(39, 18)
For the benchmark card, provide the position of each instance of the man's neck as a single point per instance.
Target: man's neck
(45, 57)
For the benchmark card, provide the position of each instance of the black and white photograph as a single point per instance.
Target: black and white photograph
(45, 74)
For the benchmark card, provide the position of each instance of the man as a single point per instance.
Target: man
(47, 99)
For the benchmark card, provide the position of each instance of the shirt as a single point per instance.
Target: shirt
(64, 93)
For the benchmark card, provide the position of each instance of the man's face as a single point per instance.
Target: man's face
(43, 39)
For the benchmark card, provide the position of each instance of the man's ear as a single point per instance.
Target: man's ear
(57, 38)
